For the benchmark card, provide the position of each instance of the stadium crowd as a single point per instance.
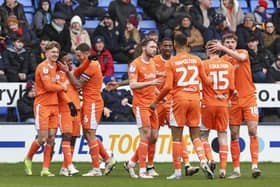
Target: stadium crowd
(116, 38)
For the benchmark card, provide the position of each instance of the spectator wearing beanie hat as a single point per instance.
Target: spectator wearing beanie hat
(217, 29)
(244, 30)
(261, 16)
(104, 56)
(78, 34)
(132, 36)
(25, 104)
(58, 31)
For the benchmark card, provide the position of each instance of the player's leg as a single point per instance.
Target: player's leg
(41, 114)
(189, 170)
(223, 153)
(152, 144)
(204, 134)
(193, 121)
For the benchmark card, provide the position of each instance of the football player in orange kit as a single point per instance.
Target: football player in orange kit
(46, 108)
(244, 107)
(70, 126)
(142, 81)
(215, 105)
(91, 82)
(163, 108)
(184, 72)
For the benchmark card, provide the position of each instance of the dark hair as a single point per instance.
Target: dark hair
(252, 38)
(83, 47)
(18, 38)
(180, 39)
(209, 44)
(165, 39)
(145, 42)
(229, 36)
(45, 38)
(62, 54)
(152, 33)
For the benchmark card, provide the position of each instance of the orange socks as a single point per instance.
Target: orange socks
(94, 153)
(66, 149)
(223, 156)
(47, 156)
(142, 154)
(185, 154)
(199, 149)
(102, 151)
(207, 149)
(33, 149)
(254, 149)
(151, 154)
(72, 150)
(177, 154)
(235, 153)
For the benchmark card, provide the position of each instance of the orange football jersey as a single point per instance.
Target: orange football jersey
(143, 72)
(222, 73)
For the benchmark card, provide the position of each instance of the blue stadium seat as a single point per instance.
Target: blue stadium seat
(1, 2)
(216, 4)
(104, 3)
(91, 24)
(18, 115)
(120, 68)
(29, 17)
(134, 2)
(28, 9)
(26, 3)
(147, 25)
(3, 111)
(254, 4)
(243, 4)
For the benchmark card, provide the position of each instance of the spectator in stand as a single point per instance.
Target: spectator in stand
(274, 73)
(113, 37)
(149, 7)
(153, 35)
(117, 104)
(203, 14)
(244, 30)
(275, 46)
(104, 56)
(261, 15)
(195, 40)
(3, 23)
(39, 52)
(58, 31)
(16, 29)
(25, 104)
(78, 34)
(12, 7)
(233, 13)
(3, 77)
(89, 8)
(65, 7)
(269, 35)
(42, 16)
(120, 10)
(276, 18)
(217, 29)
(132, 36)
(261, 59)
(16, 61)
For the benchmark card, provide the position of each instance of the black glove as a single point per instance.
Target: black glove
(93, 57)
(72, 109)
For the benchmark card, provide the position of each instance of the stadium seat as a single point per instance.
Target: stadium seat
(216, 4)
(91, 24)
(29, 17)
(120, 68)
(147, 25)
(134, 2)
(104, 3)
(3, 111)
(26, 3)
(18, 115)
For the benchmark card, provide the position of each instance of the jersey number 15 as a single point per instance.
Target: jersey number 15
(218, 78)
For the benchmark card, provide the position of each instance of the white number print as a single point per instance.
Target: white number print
(254, 110)
(219, 77)
(192, 80)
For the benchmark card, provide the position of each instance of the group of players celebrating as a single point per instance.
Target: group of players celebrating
(166, 89)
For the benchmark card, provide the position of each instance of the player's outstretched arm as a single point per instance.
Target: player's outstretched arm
(134, 85)
(75, 82)
(203, 75)
(79, 70)
(114, 84)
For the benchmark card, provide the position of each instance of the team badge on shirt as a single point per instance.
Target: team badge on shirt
(45, 71)
(132, 69)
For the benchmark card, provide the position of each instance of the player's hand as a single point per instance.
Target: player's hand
(124, 102)
(93, 57)
(63, 66)
(73, 109)
(157, 81)
(235, 95)
(22, 76)
(215, 46)
(153, 106)
(112, 85)
(107, 112)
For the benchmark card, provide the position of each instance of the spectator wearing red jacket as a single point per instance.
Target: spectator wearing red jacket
(104, 56)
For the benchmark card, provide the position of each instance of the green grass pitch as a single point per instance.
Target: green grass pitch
(12, 175)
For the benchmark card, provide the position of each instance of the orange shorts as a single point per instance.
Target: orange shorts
(69, 124)
(244, 108)
(215, 117)
(185, 111)
(91, 115)
(46, 117)
(145, 117)
(163, 111)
